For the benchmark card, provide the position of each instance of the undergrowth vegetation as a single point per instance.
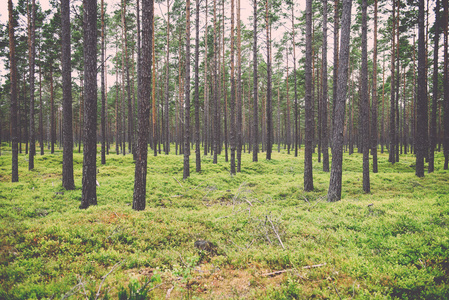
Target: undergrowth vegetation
(271, 240)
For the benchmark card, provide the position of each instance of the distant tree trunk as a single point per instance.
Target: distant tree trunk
(153, 95)
(32, 55)
(206, 123)
(392, 148)
(215, 86)
(374, 129)
(334, 193)
(89, 192)
(144, 107)
(13, 108)
(324, 136)
(81, 106)
(186, 172)
(446, 89)
(239, 90)
(421, 136)
(433, 126)
(365, 100)
(297, 112)
(232, 121)
(308, 176)
(287, 127)
(269, 101)
(103, 89)
(41, 114)
(167, 78)
(382, 126)
(52, 112)
(67, 161)
(255, 105)
(335, 71)
(197, 89)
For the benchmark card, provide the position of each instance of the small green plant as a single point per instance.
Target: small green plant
(138, 291)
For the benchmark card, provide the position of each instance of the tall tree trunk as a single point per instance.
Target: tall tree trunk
(308, 176)
(41, 114)
(446, 88)
(153, 94)
(167, 78)
(13, 108)
(334, 193)
(103, 89)
(433, 126)
(32, 55)
(89, 192)
(287, 128)
(392, 148)
(365, 100)
(374, 130)
(215, 86)
(144, 107)
(197, 89)
(269, 104)
(255, 105)
(186, 172)
(421, 136)
(67, 161)
(206, 123)
(239, 90)
(297, 132)
(324, 137)
(232, 121)
(335, 71)
(52, 112)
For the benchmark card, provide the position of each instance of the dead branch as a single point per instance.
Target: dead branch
(277, 235)
(336, 290)
(314, 266)
(276, 272)
(104, 277)
(178, 181)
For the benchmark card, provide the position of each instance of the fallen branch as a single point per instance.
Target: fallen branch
(277, 235)
(276, 272)
(104, 277)
(314, 266)
(178, 181)
(336, 290)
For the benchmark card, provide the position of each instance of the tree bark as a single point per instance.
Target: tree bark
(32, 55)
(308, 176)
(324, 135)
(232, 121)
(446, 89)
(186, 172)
(392, 148)
(67, 160)
(374, 129)
(334, 192)
(433, 126)
(13, 108)
(89, 192)
(269, 115)
(421, 135)
(197, 96)
(365, 100)
(255, 106)
(103, 89)
(144, 107)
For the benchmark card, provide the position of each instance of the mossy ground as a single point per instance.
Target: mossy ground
(398, 247)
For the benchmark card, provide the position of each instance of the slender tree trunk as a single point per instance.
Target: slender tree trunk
(433, 126)
(67, 161)
(239, 90)
(287, 128)
(186, 172)
(215, 86)
(324, 137)
(297, 112)
(308, 176)
(13, 107)
(255, 105)
(446, 89)
(52, 112)
(167, 78)
(421, 137)
(197, 90)
(103, 89)
(335, 71)
(153, 93)
(32, 55)
(269, 101)
(41, 114)
(365, 100)
(89, 192)
(334, 193)
(392, 149)
(144, 107)
(232, 121)
(374, 129)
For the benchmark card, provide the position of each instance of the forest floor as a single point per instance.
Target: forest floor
(269, 239)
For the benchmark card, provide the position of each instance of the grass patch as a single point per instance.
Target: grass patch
(398, 247)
